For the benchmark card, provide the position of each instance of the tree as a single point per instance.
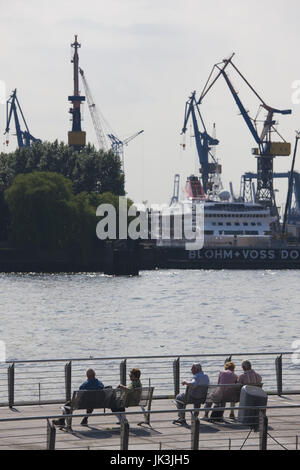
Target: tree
(89, 170)
(40, 211)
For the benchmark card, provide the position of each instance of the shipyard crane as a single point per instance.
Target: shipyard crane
(117, 145)
(94, 114)
(204, 142)
(24, 138)
(267, 150)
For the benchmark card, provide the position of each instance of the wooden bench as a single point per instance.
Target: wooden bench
(195, 396)
(110, 398)
(142, 397)
(226, 393)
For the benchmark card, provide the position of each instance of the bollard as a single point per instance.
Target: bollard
(51, 435)
(123, 372)
(68, 380)
(176, 376)
(11, 385)
(263, 430)
(278, 367)
(195, 433)
(124, 434)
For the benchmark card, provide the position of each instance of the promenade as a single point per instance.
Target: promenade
(25, 427)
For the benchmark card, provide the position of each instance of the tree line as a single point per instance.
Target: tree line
(49, 194)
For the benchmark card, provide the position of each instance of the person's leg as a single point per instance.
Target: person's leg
(85, 419)
(65, 411)
(207, 405)
(231, 415)
(180, 404)
(118, 410)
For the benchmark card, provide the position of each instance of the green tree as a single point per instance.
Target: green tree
(89, 170)
(39, 207)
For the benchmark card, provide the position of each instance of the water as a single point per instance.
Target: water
(157, 313)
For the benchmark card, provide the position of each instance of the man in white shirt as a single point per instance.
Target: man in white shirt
(196, 388)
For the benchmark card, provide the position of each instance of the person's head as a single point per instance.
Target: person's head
(246, 365)
(229, 366)
(196, 367)
(135, 374)
(90, 373)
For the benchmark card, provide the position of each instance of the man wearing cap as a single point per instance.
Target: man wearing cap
(196, 389)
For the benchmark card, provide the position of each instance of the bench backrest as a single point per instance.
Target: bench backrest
(85, 399)
(198, 393)
(133, 397)
(226, 392)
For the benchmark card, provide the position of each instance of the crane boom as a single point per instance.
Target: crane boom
(24, 138)
(203, 140)
(117, 145)
(94, 113)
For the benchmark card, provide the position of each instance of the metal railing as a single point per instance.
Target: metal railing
(275, 427)
(52, 380)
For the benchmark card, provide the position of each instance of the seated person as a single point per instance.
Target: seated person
(226, 377)
(199, 378)
(134, 375)
(249, 377)
(90, 384)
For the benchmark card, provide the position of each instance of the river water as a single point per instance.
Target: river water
(157, 313)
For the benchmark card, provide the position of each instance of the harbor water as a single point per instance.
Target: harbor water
(155, 313)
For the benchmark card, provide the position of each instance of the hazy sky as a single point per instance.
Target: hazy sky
(142, 59)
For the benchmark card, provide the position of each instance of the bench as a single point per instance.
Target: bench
(222, 394)
(110, 398)
(142, 397)
(195, 396)
(225, 393)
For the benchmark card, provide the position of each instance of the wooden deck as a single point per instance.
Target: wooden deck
(103, 432)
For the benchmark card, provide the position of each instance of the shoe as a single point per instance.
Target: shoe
(58, 422)
(181, 421)
(84, 422)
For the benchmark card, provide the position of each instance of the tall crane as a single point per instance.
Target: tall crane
(24, 138)
(204, 142)
(76, 137)
(117, 145)
(94, 114)
(267, 150)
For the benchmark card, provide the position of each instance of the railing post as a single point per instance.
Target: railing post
(68, 380)
(278, 367)
(124, 434)
(176, 376)
(51, 435)
(123, 372)
(11, 385)
(263, 430)
(195, 433)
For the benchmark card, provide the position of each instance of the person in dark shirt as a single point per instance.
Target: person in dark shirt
(90, 384)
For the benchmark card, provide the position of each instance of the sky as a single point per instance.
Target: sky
(142, 59)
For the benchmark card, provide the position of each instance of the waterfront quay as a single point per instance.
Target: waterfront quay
(26, 427)
(32, 393)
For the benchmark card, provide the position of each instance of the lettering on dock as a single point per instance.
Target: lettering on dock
(244, 254)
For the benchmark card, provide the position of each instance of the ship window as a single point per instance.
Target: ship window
(253, 223)
(251, 232)
(245, 223)
(214, 223)
(208, 232)
(220, 223)
(237, 223)
(228, 223)
(259, 223)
